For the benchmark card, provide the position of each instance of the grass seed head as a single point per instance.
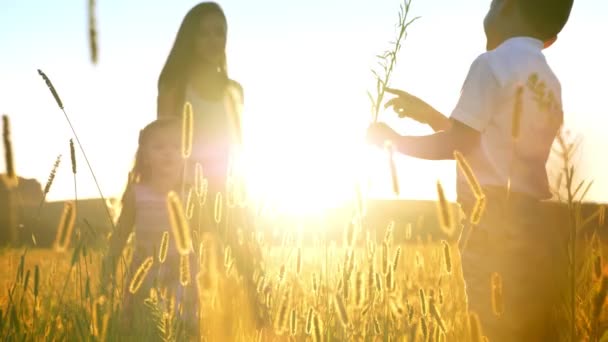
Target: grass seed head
(187, 130)
(164, 247)
(179, 223)
(140, 275)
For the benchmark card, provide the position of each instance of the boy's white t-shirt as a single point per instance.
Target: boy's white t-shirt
(488, 104)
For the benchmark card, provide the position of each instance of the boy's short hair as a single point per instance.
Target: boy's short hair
(547, 17)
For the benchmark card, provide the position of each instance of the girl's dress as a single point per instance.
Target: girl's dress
(151, 221)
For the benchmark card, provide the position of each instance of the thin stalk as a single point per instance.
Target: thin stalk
(60, 104)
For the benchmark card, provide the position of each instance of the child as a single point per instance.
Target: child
(157, 170)
(511, 79)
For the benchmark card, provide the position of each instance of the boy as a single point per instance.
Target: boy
(506, 119)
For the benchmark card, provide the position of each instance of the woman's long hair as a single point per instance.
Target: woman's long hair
(174, 75)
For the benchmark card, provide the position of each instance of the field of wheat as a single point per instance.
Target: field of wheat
(357, 281)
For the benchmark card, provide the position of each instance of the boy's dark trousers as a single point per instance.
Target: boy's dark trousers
(513, 241)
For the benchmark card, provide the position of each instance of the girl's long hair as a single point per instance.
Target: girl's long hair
(182, 58)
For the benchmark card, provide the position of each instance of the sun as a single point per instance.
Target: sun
(305, 160)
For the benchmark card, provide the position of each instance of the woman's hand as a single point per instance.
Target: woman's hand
(408, 105)
(378, 133)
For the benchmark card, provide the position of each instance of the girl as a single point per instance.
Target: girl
(196, 72)
(157, 170)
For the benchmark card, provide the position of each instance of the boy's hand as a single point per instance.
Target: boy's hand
(378, 133)
(408, 105)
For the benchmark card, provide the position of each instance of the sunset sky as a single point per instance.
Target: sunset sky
(305, 67)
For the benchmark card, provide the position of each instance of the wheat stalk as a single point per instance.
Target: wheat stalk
(60, 105)
(388, 60)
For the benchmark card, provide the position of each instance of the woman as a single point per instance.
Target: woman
(196, 72)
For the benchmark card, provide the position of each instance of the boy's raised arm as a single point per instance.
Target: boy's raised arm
(460, 132)
(437, 146)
